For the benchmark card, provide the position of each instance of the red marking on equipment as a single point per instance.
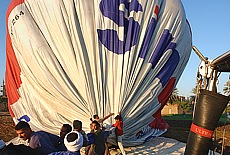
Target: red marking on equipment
(201, 131)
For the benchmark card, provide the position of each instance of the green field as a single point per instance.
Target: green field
(223, 117)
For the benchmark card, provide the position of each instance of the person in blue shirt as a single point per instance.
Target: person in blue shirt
(41, 141)
(73, 142)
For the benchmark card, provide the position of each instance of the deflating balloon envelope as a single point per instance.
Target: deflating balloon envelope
(69, 60)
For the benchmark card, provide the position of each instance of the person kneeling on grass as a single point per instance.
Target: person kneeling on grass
(73, 142)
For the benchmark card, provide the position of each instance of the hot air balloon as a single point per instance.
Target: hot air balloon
(69, 60)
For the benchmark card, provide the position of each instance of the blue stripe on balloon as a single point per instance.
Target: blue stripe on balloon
(160, 48)
(168, 69)
(132, 34)
(171, 45)
(135, 6)
(147, 38)
(165, 43)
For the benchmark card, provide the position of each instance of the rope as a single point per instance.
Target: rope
(225, 122)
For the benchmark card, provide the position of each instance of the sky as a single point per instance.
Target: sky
(210, 24)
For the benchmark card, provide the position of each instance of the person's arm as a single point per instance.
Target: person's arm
(106, 117)
(34, 142)
(115, 124)
(91, 149)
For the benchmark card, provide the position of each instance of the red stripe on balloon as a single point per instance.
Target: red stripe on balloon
(156, 10)
(158, 122)
(12, 75)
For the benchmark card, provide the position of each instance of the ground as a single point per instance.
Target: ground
(179, 130)
(6, 127)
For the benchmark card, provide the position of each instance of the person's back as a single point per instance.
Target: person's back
(45, 141)
(73, 142)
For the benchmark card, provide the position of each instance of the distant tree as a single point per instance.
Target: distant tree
(176, 99)
(226, 88)
(185, 106)
(195, 90)
(174, 96)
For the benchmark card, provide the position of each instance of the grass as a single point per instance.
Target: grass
(223, 118)
(177, 117)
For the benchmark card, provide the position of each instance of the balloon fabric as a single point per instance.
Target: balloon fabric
(71, 59)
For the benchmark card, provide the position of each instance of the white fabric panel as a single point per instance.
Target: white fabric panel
(68, 73)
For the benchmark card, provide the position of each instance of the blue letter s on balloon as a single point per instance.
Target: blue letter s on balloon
(121, 13)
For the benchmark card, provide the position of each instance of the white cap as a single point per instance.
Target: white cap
(75, 145)
(2, 144)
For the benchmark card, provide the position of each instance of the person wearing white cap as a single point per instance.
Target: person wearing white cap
(73, 142)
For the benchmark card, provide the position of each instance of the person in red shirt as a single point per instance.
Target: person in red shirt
(119, 132)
